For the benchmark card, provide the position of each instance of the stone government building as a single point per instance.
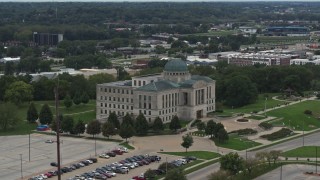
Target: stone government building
(173, 92)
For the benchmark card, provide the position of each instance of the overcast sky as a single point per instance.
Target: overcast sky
(150, 0)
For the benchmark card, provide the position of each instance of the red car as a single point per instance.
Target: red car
(141, 177)
(117, 151)
(48, 174)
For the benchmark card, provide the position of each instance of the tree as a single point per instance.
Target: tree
(231, 162)
(217, 128)
(211, 126)
(79, 128)
(201, 126)
(127, 119)
(158, 124)
(275, 155)
(175, 174)
(114, 120)
(77, 98)
(98, 79)
(150, 174)
(240, 91)
(85, 98)
(175, 123)
(141, 125)
(219, 175)
(67, 101)
(187, 141)
(94, 127)
(67, 124)
(108, 129)
(45, 115)
(222, 135)
(32, 114)
(250, 163)
(126, 131)
(8, 116)
(19, 92)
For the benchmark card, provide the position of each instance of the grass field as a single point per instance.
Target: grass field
(306, 151)
(293, 116)
(281, 39)
(85, 112)
(237, 143)
(199, 154)
(257, 106)
(256, 117)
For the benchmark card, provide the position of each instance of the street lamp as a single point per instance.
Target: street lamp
(21, 166)
(265, 107)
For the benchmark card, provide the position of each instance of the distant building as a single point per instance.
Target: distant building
(286, 31)
(47, 39)
(9, 59)
(175, 92)
(248, 30)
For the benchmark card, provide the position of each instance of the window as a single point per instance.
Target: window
(114, 98)
(101, 104)
(106, 111)
(144, 112)
(127, 107)
(127, 91)
(109, 90)
(101, 98)
(131, 100)
(144, 105)
(134, 82)
(149, 105)
(118, 106)
(122, 106)
(139, 82)
(159, 112)
(105, 105)
(109, 105)
(149, 112)
(122, 91)
(114, 106)
(122, 99)
(101, 111)
(131, 107)
(114, 90)
(127, 99)
(109, 98)
(105, 90)
(149, 119)
(119, 91)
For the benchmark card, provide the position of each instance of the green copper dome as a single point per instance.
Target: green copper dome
(175, 65)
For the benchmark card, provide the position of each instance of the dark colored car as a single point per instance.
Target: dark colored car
(85, 163)
(54, 164)
(76, 165)
(111, 154)
(118, 152)
(94, 160)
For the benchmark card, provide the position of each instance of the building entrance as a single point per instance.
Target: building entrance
(199, 114)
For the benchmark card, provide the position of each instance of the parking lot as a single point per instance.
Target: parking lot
(41, 153)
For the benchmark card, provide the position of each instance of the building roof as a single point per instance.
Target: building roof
(204, 78)
(158, 86)
(176, 65)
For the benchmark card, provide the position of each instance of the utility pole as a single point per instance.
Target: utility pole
(265, 107)
(281, 172)
(29, 147)
(95, 146)
(316, 159)
(58, 129)
(21, 166)
(166, 165)
(303, 134)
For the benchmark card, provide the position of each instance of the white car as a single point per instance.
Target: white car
(104, 156)
(135, 164)
(43, 176)
(89, 161)
(125, 168)
(183, 161)
(130, 165)
(123, 149)
(112, 173)
(49, 141)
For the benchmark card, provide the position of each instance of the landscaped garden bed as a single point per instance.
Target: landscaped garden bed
(282, 133)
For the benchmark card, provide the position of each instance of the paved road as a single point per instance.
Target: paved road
(72, 149)
(312, 139)
(290, 172)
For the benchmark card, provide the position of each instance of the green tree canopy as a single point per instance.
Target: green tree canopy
(175, 123)
(114, 120)
(141, 125)
(8, 116)
(201, 126)
(232, 162)
(85, 98)
(175, 174)
(19, 92)
(222, 135)
(32, 114)
(98, 79)
(94, 127)
(108, 129)
(126, 131)
(77, 98)
(45, 115)
(127, 119)
(67, 101)
(67, 124)
(79, 128)
(187, 141)
(158, 124)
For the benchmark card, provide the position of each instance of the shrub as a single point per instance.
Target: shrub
(219, 110)
(308, 112)
(255, 112)
(265, 125)
(194, 123)
(246, 131)
(242, 120)
(284, 132)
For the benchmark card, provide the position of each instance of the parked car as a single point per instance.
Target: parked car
(140, 177)
(94, 160)
(54, 164)
(117, 151)
(123, 149)
(121, 171)
(111, 154)
(49, 141)
(190, 158)
(104, 156)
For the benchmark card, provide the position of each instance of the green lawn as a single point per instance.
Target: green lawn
(125, 144)
(256, 117)
(306, 151)
(237, 143)
(257, 106)
(199, 154)
(281, 39)
(293, 115)
(21, 129)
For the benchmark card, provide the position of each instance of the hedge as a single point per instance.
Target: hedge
(284, 132)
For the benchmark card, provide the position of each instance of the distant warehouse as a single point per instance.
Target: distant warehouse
(48, 39)
(287, 31)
